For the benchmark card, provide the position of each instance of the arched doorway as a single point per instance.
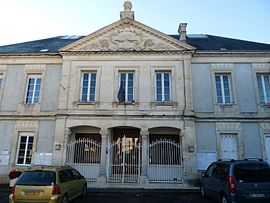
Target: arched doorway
(84, 151)
(165, 155)
(124, 155)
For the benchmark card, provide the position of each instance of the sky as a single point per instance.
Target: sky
(27, 20)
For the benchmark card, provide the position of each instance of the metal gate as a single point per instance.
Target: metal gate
(165, 161)
(84, 155)
(124, 157)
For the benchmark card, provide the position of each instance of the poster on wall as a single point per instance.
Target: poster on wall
(43, 159)
(204, 159)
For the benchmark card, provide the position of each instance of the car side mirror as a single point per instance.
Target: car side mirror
(203, 174)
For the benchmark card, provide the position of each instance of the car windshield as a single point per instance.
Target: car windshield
(252, 172)
(39, 178)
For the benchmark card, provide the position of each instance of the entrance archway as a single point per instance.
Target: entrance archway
(124, 155)
(165, 155)
(84, 151)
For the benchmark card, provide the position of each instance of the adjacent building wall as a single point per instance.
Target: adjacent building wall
(6, 133)
(206, 137)
(202, 88)
(13, 88)
(252, 140)
(245, 88)
(51, 88)
(46, 136)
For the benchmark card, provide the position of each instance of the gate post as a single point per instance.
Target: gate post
(102, 173)
(145, 155)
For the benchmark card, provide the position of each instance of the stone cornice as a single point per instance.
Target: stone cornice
(232, 53)
(139, 53)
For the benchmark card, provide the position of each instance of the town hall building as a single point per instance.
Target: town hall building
(130, 106)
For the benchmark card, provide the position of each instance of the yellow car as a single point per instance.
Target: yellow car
(59, 184)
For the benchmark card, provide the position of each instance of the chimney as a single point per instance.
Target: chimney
(127, 12)
(182, 31)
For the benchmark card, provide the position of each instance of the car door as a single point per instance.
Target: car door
(78, 181)
(67, 184)
(207, 180)
(217, 174)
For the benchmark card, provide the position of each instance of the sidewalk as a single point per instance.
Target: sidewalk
(6, 188)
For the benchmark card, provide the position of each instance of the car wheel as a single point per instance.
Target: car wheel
(202, 191)
(65, 199)
(84, 191)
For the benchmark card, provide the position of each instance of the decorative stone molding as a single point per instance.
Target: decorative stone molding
(228, 126)
(35, 68)
(104, 133)
(127, 35)
(3, 68)
(127, 38)
(30, 124)
(261, 67)
(265, 126)
(222, 66)
(124, 53)
(68, 132)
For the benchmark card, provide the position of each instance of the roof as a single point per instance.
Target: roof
(49, 45)
(222, 44)
(201, 42)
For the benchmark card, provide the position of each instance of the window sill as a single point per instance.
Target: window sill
(30, 104)
(85, 103)
(163, 103)
(225, 105)
(125, 103)
(79, 103)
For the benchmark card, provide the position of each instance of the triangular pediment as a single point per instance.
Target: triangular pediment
(126, 35)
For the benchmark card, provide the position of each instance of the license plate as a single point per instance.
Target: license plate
(257, 195)
(31, 194)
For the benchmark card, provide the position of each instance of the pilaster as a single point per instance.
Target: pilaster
(102, 173)
(145, 154)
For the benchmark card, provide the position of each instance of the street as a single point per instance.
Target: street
(140, 196)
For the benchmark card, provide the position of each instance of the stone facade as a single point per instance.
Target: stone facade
(192, 116)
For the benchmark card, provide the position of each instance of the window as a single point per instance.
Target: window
(88, 87)
(264, 88)
(163, 86)
(25, 147)
(37, 178)
(126, 87)
(33, 90)
(65, 176)
(223, 88)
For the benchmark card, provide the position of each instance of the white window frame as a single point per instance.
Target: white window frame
(163, 86)
(27, 135)
(88, 86)
(263, 88)
(221, 75)
(126, 84)
(36, 77)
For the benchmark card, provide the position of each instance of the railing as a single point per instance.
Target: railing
(84, 155)
(124, 161)
(165, 163)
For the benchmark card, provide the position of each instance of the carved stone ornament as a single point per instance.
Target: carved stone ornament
(127, 38)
